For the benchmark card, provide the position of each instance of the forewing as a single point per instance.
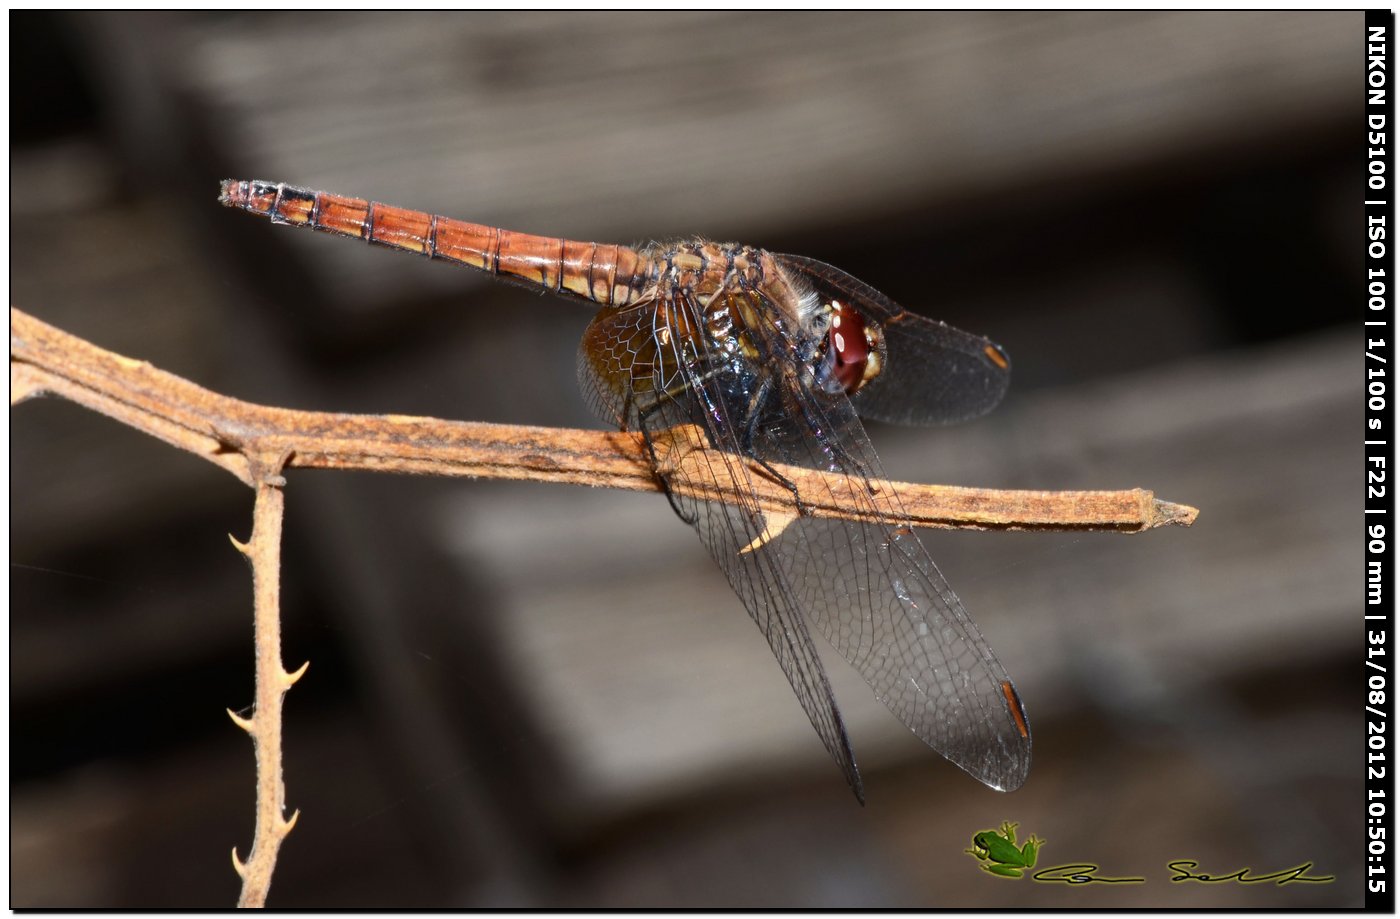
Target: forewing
(933, 373)
(634, 373)
(871, 589)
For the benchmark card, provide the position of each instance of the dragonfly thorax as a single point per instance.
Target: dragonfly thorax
(705, 269)
(734, 296)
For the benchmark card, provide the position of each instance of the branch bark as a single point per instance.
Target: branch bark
(229, 432)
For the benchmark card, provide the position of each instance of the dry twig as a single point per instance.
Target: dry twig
(256, 442)
(231, 433)
(271, 683)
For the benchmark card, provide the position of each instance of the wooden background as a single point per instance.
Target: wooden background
(537, 696)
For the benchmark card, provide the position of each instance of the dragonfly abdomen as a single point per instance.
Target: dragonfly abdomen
(607, 274)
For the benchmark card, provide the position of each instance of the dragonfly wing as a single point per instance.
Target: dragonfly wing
(933, 373)
(873, 591)
(634, 373)
(869, 587)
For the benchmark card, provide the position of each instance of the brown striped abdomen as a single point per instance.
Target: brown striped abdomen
(606, 274)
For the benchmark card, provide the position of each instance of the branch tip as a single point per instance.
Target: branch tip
(1166, 513)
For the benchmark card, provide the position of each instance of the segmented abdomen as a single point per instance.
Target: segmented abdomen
(606, 274)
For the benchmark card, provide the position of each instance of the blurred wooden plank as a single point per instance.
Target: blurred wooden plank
(620, 125)
(123, 273)
(619, 625)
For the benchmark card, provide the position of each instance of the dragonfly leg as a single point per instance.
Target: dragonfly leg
(746, 444)
(688, 518)
(643, 414)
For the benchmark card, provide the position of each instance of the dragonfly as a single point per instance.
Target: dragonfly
(775, 358)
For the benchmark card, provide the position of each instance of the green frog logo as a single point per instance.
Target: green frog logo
(998, 851)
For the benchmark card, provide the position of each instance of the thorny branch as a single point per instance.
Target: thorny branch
(256, 443)
(271, 683)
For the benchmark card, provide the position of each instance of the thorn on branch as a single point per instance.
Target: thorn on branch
(244, 723)
(227, 439)
(774, 523)
(25, 383)
(265, 471)
(290, 679)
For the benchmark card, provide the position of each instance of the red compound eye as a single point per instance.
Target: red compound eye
(850, 349)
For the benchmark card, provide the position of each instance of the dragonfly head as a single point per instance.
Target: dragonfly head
(852, 352)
